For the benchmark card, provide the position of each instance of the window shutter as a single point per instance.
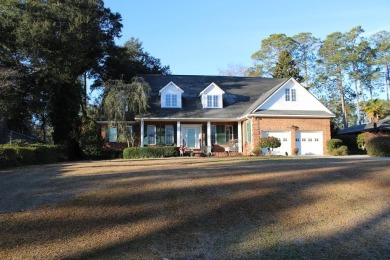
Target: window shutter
(249, 131)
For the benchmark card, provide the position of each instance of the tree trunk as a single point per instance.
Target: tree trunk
(342, 93)
(357, 102)
(84, 96)
(387, 75)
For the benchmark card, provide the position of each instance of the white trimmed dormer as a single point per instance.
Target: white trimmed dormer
(171, 96)
(211, 96)
(292, 96)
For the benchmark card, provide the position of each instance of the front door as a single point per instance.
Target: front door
(191, 137)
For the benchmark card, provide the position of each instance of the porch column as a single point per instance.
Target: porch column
(142, 133)
(208, 137)
(178, 134)
(239, 133)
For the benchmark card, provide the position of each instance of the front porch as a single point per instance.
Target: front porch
(218, 138)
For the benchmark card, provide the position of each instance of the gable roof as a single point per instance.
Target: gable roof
(170, 84)
(242, 96)
(212, 85)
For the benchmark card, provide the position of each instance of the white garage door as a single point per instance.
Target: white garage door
(285, 140)
(309, 142)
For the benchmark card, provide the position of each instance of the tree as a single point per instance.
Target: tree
(126, 62)
(270, 143)
(353, 58)
(374, 109)
(286, 67)
(122, 101)
(235, 70)
(305, 55)
(333, 58)
(57, 42)
(381, 42)
(267, 56)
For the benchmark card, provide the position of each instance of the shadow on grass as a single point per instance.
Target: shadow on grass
(237, 209)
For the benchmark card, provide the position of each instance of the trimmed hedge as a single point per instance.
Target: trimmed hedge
(8, 157)
(25, 155)
(150, 152)
(335, 147)
(378, 145)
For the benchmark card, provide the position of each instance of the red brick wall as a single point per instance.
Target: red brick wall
(287, 124)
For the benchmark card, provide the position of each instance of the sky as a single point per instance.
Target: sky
(201, 37)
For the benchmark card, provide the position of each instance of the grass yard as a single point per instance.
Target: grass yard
(198, 208)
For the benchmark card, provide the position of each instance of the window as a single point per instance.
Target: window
(229, 133)
(174, 100)
(297, 139)
(209, 101)
(316, 140)
(113, 135)
(215, 101)
(168, 100)
(151, 134)
(287, 94)
(284, 139)
(293, 95)
(169, 134)
(212, 101)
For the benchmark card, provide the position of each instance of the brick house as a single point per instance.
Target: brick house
(219, 114)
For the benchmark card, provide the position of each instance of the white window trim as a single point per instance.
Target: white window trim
(293, 95)
(167, 100)
(174, 100)
(287, 96)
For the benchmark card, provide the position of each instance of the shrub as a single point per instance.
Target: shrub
(7, 157)
(257, 151)
(46, 153)
(25, 155)
(90, 142)
(333, 144)
(335, 147)
(378, 145)
(340, 151)
(269, 142)
(150, 152)
(362, 138)
(15, 155)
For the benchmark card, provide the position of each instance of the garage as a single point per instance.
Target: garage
(285, 140)
(309, 142)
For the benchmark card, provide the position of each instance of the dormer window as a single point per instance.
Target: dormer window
(212, 101)
(171, 96)
(171, 100)
(211, 96)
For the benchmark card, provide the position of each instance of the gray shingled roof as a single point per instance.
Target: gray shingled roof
(382, 125)
(242, 96)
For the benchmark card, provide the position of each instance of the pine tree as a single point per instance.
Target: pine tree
(286, 67)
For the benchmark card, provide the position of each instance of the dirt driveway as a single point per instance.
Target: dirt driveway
(198, 208)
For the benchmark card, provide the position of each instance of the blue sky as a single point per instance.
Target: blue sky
(203, 37)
